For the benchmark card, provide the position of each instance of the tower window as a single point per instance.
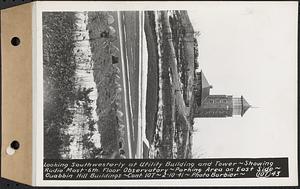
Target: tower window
(224, 101)
(211, 101)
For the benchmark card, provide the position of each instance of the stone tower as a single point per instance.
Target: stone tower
(207, 105)
(221, 106)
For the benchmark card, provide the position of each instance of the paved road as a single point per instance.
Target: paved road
(130, 25)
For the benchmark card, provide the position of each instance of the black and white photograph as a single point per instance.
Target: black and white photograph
(213, 80)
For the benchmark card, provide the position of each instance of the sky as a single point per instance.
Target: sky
(249, 49)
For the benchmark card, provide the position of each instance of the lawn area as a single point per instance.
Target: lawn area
(152, 92)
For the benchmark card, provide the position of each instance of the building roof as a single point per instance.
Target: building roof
(205, 87)
(245, 105)
(204, 81)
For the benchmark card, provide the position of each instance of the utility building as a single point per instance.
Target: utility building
(207, 105)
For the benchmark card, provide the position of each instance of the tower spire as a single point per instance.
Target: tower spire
(245, 106)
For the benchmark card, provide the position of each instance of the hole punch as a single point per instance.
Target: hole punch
(15, 145)
(11, 149)
(15, 41)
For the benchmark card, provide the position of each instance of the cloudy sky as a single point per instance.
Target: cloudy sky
(249, 49)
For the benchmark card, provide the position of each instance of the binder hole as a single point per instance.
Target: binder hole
(15, 145)
(15, 41)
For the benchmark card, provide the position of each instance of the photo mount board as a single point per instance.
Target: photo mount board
(17, 107)
(17, 93)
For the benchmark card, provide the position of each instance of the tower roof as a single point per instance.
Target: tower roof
(245, 105)
(205, 87)
(204, 81)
